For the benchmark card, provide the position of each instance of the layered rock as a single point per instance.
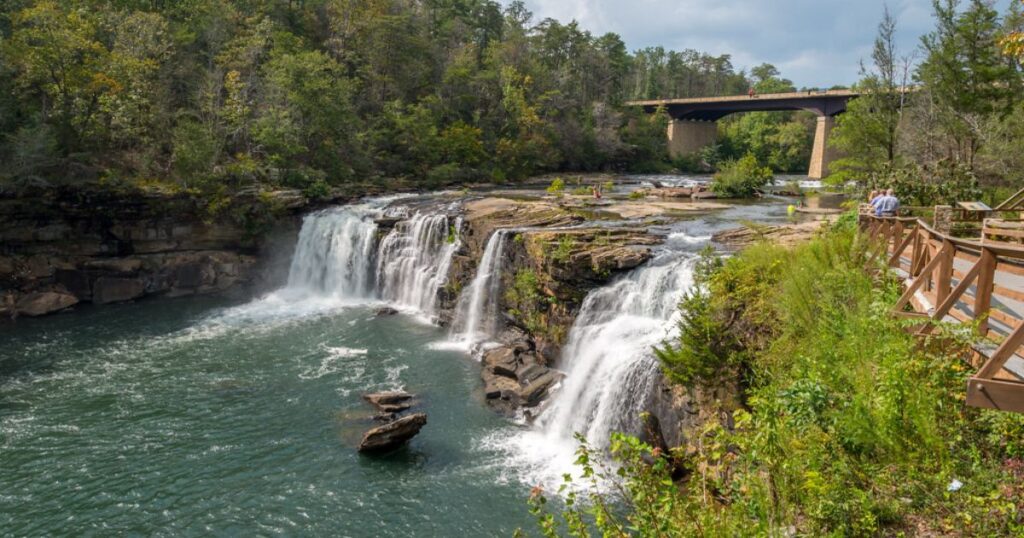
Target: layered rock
(393, 434)
(102, 246)
(515, 376)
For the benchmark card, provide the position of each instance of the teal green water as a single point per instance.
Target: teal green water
(187, 417)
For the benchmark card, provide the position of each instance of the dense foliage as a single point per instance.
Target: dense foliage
(959, 109)
(741, 178)
(850, 427)
(219, 94)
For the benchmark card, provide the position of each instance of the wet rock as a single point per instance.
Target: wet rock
(704, 195)
(501, 361)
(393, 434)
(533, 393)
(386, 311)
(114, 289)
(495, 386)
(42, 303)
(531, 371)
(389, 401)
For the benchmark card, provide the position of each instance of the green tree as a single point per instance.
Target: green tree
(867, 134)
(965, 75)
(62, 67)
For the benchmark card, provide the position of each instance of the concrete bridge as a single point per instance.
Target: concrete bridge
(693, 121)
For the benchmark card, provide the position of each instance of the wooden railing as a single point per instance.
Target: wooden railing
(953, 279)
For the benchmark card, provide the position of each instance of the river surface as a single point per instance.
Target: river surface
(204, 416)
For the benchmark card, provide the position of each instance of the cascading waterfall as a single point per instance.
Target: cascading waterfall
(334, 254)
(414, 259)
(609, 365)
(476, 316)
(338, 256)
(608, 359)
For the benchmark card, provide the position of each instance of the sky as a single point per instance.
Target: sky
(814, 43)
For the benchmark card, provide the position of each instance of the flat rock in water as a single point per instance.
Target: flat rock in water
(393, 434)
(389, 401)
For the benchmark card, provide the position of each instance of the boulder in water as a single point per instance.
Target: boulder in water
(45, 302)
(390, 401)
(393, 434)
(386, 311)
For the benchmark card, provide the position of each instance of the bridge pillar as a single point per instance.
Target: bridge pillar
(822, 155)
(686, 137)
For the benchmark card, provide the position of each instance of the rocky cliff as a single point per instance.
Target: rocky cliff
(553, 260)
(67, 246)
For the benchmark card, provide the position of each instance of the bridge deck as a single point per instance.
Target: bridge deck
(810, 94)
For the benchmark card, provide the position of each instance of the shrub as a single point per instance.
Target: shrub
(742, 178)
(557, 186)
(564, 249)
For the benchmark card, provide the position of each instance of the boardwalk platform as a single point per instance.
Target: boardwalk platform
(979, 283)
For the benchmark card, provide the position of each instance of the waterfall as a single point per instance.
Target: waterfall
(610, 368)
(338, 256)
(608, 359)
(414, 259)
(334, 254)
(476, 316)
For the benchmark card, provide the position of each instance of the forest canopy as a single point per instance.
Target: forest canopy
(218, 94)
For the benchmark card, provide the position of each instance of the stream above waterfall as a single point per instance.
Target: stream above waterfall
(201, 416)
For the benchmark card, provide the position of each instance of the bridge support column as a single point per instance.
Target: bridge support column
(822, 155)
(686, 137)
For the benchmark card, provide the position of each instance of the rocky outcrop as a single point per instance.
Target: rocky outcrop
(784, 234)
(105, 246)
(393, 434)
(41, 303)
(515, 377)
(682, 412)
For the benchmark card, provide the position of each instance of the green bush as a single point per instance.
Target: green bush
(557, 186)
(742, 178)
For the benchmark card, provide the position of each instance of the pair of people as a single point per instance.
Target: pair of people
(884, 203)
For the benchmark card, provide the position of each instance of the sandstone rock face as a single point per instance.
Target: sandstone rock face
(114, 290)
(393, 434)
(41, 303)
(103, 247)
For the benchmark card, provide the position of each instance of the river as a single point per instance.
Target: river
(200, 416)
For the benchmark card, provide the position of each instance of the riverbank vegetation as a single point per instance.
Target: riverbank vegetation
(949, 113)
(849, 427)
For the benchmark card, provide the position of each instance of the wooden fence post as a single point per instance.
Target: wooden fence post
(983, 292)
(943, 281)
